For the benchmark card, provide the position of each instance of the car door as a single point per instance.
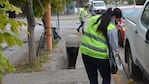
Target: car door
(145, 20)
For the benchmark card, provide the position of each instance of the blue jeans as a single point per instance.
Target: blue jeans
(92, 65)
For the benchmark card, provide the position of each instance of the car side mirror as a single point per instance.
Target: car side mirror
(147, 36)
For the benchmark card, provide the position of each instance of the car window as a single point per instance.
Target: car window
(145, 16)
(127, 13)
(99, 4)
(131, 12)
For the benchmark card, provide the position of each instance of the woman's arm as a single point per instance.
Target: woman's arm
(113, 40)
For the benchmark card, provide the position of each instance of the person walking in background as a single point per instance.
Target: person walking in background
(83, 13)
(94, 47)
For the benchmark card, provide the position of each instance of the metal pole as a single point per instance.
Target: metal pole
(58, 20)
(48, 26)
(78, 3)
(134, 1)
(116, 3)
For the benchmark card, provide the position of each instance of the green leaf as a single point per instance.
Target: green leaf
(2, 27)
(9, 39)
(1, 38)
(14, 26)
(3, 21)
(18, 41)
(5, 64)
(1, 74)
(1, 47)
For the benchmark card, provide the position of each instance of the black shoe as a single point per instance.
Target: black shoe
(78, 30)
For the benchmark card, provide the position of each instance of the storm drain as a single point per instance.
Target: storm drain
(72, 53)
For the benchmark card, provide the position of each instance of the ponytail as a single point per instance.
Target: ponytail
(104, 22)
(105, 19)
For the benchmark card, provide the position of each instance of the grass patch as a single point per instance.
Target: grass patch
(55, 42)
(43, 58)
(24, 67)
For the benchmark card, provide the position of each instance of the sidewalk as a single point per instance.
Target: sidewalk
(64, 17)
(67, 76)
(60, 76)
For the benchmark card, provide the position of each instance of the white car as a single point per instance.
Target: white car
(137, 43)
(98, 7)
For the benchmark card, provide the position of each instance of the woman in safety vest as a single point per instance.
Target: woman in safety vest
(94, 47)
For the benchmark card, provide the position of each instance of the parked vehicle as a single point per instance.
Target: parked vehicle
(130, 12)
(98, 6)
(137, 43)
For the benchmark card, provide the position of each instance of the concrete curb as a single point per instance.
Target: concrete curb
(72, 18)
(64, 19)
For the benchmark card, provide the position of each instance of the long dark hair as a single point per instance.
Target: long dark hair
(105, 19)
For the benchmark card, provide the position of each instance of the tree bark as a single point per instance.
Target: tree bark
(0, 80)
(44, 25)
(31, 27)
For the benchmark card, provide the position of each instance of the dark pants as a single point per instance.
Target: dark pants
(92, 65)
(81, 26)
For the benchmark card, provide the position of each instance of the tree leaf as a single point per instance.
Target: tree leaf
(1, 38)
(7, 36)
(18, 41)
(1, 74)
(9, 39)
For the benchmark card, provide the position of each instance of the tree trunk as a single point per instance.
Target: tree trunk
(31, 27)
(44, 25)
(0, 80)
(78, 3)
(83, 2)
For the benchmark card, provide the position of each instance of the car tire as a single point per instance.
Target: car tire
(120, 41)
(133, 70)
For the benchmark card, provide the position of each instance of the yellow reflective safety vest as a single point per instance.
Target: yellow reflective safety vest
(94, 44)
(82, 12)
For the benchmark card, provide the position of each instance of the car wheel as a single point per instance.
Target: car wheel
(133, 70)
(120, 41)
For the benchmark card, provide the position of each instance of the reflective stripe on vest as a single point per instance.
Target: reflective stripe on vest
(92, 47)
(95, 37)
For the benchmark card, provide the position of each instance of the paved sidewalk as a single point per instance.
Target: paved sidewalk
(64, 17)
(66, 76)
(63, 76)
